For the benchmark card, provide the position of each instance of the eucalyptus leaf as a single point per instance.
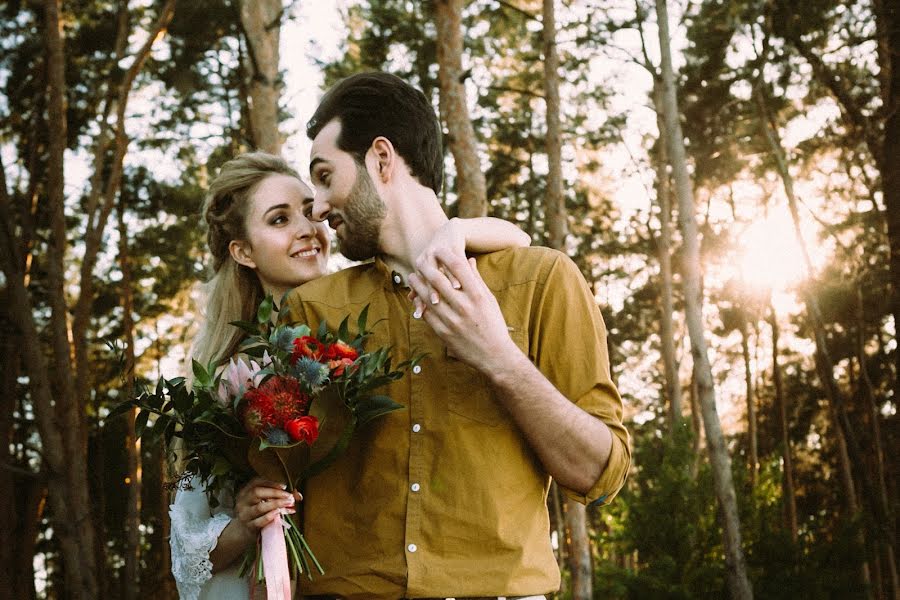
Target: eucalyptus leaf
(374, 407)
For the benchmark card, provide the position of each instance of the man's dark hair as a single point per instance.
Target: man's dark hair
(369, 105)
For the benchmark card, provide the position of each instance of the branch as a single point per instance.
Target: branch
(521, 11)
(524, 92)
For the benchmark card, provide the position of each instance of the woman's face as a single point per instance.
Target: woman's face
(284, 247)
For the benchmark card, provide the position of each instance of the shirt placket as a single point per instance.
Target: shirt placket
(417, 432)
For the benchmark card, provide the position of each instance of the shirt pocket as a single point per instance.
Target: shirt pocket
(470, 395)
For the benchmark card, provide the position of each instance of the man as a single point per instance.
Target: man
(448, 497)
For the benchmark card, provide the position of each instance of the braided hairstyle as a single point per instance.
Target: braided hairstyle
(234, 291)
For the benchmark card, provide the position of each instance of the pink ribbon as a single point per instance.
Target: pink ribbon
(275, 562)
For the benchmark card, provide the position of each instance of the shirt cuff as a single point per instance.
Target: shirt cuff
(611, 480)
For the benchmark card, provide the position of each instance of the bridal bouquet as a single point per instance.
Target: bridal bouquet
(285, 413)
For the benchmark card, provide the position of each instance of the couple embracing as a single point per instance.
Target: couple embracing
(446, 499)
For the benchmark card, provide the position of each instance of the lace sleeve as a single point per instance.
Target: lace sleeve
(195, 531)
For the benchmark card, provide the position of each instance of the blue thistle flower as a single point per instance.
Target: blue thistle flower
(283, 338)
(311, 372)
(277, 437)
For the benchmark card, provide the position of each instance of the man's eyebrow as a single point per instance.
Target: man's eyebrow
(275, 207)
(316, 161)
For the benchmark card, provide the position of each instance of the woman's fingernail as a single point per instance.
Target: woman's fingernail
(456, 285)
(435, 298)
(417, 314)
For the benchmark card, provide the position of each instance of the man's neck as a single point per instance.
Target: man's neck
(409, 228)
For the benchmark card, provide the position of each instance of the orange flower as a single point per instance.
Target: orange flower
(307, 346)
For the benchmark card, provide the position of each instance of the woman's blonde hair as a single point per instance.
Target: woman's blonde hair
(234, 291)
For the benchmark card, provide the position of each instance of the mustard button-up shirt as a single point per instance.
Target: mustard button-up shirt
(446, 498)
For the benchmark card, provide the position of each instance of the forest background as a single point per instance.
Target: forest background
(724, 172)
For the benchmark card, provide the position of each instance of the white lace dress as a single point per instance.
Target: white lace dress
(195, 531)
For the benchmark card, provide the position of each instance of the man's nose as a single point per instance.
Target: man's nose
(320, 209)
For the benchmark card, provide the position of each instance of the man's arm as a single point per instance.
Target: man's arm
(573, 445)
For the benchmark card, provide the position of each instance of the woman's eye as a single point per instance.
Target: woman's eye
(278, 220)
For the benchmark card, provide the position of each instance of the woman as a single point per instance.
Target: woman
(261, 244)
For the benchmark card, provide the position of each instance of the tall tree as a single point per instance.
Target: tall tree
(131, 574)
(579, 554)
(261, 21)
(738, 580)
(788, 494)
(470, 184)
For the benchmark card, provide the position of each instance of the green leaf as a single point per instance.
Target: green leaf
(121, 408)
(221, 467)
(374, 407)
(264, 313)
(344, 329)
(361, 321)
(201, 376)
(140, 423)
(246, 326)
(323, 330)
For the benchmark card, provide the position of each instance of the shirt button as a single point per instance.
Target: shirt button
(397, 279)
(412, 548)
(415, 487)
(417, 428)
(417, 369)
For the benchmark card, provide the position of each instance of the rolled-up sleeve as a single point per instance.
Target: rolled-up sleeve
(569, 346)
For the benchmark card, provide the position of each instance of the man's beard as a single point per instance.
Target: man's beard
(363, 216)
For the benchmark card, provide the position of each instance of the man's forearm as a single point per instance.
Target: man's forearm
(573, 446)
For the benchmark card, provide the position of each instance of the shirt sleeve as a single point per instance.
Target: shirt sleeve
(569, 342)
(194, 534)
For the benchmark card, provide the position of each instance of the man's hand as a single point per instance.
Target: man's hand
(468, 318)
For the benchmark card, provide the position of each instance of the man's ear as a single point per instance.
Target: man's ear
(240, 251)
(385, 157)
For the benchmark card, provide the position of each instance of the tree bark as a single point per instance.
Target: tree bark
(736, 569)
(890, 565)
(471, 188)
(131, 578)
(261, 21)
(60, 422)
(753, 458)
(664, 253)
(554, 202)
(790, 499)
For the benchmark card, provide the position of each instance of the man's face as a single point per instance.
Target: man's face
(345, 195)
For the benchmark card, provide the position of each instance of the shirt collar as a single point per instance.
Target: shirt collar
(392, 280)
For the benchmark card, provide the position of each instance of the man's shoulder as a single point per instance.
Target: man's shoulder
(531, 264)
(347, 286)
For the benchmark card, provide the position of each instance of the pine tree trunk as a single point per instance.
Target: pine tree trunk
(62, 433)
(131, 573)
(471, 188)
(738, 580)
(664, 252)
(579, 546)
(554, 202)
(261, 20)
(890, 565)
(790, 499)
(753, 457)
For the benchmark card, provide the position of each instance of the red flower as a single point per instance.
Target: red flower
(307, 346)
(275, 402)
(339, 365)
(304, 429)
(257, 413)
(339, 350)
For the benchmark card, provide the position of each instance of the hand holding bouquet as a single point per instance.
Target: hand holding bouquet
(284, 414)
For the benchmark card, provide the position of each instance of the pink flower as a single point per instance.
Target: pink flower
(236, 379)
